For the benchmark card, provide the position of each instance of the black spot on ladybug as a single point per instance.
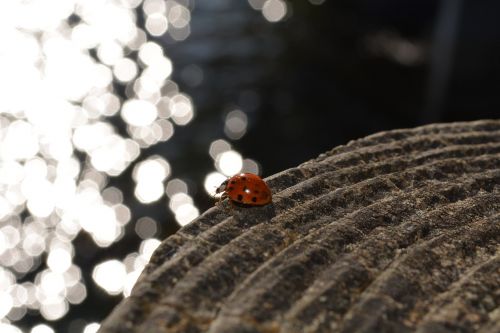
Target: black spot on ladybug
(254, 199)
(243, 178)
(233, 182)
(245, 189)
(230, 188)
(240, 197)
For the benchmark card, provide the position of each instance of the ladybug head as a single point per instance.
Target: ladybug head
(221, 188)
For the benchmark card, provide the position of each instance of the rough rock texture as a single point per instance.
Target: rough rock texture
(396, 232)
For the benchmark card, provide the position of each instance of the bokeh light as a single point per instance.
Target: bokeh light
(181, 204)
(139, 112)
(181, 109)
(8, 328)
(213, 181)
(274, 10)
(110, 275)
(125, 70)
(156, 24)
(149, 176)
(42, 328)
(257, 4)
(59, 149)
(229, 162)
(236, 124)
(218, 147)
(176, 186)
(86, 91)
(91, 328)
(146, 227)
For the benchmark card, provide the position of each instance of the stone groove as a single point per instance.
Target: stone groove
(327, 240)
(380, 168)
(325, 256)
(459, 304)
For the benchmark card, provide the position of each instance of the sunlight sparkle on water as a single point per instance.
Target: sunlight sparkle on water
(257, 4)
(59, 260)
(174, 186)
(146, 227)
(125, 70)
(77, 293)
(181, 204)
(150, 52)
(156, 24)
(110, 275)
(160, 70)
(186, 213)
(91, 328)
(61, 63)
(236, 124)
(7, 280)
(229, 162)
(217, 147)
(139, 112)
(100, 221)
(149, 176)
(54, 308)
(109, 52)
(42, 328)
(213, 181)
(274, 10)
(251, 166)
(7, 328)
(178, 15)
(182, 109)
(154, 7)
(148, 246)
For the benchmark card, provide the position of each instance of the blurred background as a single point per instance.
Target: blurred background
(119, 118)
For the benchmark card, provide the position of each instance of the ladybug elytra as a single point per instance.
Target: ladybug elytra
(246, 189)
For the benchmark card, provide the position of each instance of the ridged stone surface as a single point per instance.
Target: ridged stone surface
(395, 232)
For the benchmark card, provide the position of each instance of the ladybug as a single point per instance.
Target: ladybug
(245, 189)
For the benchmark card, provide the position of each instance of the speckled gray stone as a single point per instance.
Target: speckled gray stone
(395, 232)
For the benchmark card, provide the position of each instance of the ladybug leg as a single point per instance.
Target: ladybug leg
(231, 207)
(219, 202)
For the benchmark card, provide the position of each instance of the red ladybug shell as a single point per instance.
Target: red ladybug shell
(247, 189)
